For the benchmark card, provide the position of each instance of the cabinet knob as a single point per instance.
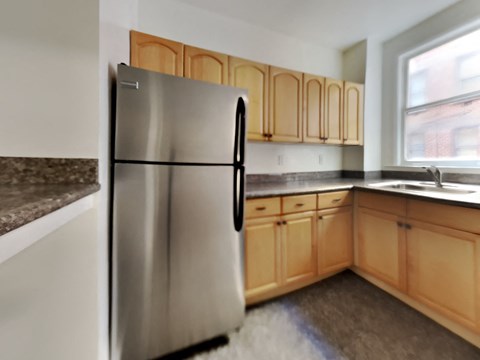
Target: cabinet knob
(279, 223)
(400, 224)
(408, 226)
(269, 136)
(320, 218)
(284, 222)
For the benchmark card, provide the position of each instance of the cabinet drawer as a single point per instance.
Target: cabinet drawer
(298, 203)
(386, 203)
(334, 199)
(262, 207)
(451, 216)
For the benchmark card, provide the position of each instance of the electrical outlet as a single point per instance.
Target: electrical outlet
(320, 159)
(280, 160)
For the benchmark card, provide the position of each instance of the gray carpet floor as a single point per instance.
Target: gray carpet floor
(343, 317)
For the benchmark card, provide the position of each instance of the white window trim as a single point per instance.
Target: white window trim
(402, 93)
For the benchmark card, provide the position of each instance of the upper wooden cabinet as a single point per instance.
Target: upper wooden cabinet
(156, 54)
(253, 77)
(333, 111)
(285, 105)
(353, 114)
(313, 108)
(201, 64)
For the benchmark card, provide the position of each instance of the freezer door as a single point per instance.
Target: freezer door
(165, 118)
(177, 266)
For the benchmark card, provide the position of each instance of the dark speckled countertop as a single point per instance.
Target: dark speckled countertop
(34, 187)
(259, 190)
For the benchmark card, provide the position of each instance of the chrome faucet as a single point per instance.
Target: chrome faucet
(436, 174)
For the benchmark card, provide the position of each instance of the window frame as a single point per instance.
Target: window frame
(402, 97)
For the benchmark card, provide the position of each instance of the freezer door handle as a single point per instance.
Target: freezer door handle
(239, 146)
(238, 196)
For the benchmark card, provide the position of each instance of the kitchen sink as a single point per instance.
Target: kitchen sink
(425, 187)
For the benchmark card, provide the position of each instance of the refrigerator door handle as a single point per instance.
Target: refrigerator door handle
(239, 147)
(238, 196)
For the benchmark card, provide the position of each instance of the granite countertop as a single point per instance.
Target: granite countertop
(34, 187)
(23, 203)
(259, 190)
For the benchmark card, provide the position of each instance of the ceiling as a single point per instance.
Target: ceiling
(331, 23)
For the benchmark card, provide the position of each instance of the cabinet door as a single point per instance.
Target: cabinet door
(443, 271)
(156, 54)
(253, 77)
(313, 111)
(353, 114)
(334, 239)
(206, 65)
(262, 256)
(298, 234)
(381, 246)
(285, 105)
(333, 111)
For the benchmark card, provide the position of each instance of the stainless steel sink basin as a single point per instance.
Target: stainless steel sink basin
(424, 187)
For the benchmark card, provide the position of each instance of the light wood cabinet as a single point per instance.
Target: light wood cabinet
(380, 243)
(313, 109)
(429, 251)
(353, 113)
(298, 235)
(381, 246)
(263, 256)
(335, 240)
(253, 77)
(285, 103)
(443, 271)
(205, 65)
(333, 111)
(156, 54)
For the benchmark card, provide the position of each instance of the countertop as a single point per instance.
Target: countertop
(23, 203)
(259, 190)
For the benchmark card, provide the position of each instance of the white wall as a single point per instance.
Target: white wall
(373, 107)
(48, 296)
(454, 17)
(193, 26)
(49, 83)
(117, 17)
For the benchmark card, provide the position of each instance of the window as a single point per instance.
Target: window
(441, 118)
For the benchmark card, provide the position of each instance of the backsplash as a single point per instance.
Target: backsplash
(26, 170)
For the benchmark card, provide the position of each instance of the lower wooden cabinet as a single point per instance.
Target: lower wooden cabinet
(443, 271)
(299, 246)
(417, 250)
(263, 250)
(381, 246)
(334, 238)
(279, 252)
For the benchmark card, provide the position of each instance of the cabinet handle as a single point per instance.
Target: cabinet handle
(260, 208)
(408, 226)
(269, 136)
(320, 218)
(299, 205)
(279, 223)
(336, 200)
(265, 135)
(400, 224)
(284, 222)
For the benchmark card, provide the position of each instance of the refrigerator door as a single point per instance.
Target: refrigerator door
(163, 118)
(177, 265)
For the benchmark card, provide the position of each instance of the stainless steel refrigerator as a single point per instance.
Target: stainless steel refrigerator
(177, 213)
